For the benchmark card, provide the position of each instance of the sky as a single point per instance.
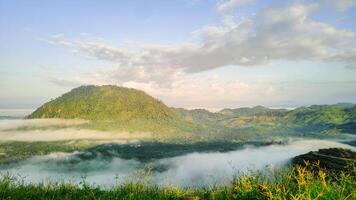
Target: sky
(209, 54)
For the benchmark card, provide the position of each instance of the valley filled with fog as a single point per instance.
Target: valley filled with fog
(107, 168)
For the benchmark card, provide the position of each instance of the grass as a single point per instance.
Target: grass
(293, 183)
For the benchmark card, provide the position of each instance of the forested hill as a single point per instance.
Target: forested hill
(120, 108)
(105, 102)
(259, 120)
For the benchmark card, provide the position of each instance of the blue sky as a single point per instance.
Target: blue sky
(188, 53)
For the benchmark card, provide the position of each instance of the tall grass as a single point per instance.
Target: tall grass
(293, 183)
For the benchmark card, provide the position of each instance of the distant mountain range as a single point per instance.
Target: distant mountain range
(113, 107)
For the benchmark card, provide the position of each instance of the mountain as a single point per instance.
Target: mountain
(105, 102)
(200, 115)
(113, 108)
(257, 110)
(260, 121)
(324, 118)
(325, 114)
(119, 108)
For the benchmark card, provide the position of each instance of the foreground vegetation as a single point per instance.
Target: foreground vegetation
(294, 183)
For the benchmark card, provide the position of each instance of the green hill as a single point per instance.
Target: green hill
(105, 102)
(336, 118)
(116, 108)
(320, 115)
(261, 121)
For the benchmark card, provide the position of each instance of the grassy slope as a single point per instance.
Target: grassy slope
(296, 183)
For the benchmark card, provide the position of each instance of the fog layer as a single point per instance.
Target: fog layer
(58, 129)
(39, 123)
(190, 169)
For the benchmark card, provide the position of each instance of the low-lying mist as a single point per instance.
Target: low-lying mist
(38, 123)
(190, 169)
(31, 130)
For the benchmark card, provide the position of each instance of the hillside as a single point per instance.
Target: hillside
(201, 116)
(105, 102)
(113, 108)
(257, 110)
(332, 159)
(259, 121)
(324, 119)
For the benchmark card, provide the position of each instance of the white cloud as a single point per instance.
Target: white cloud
(343, 5)
(338, 5)
(190, 92)
(231, 4)
(347, 57)
(275, 33)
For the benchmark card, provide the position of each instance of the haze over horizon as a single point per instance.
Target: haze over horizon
(210, 54)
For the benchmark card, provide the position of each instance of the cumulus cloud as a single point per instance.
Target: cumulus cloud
(276, 33)
(128, 65)
(273, 34)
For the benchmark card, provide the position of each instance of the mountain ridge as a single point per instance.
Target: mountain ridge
(113, 107)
